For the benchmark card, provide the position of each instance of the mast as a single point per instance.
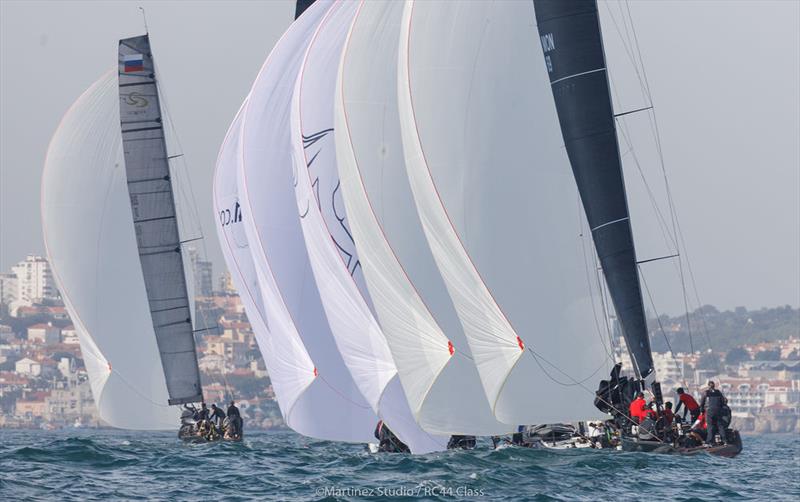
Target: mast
(155, 219)
(572, 43)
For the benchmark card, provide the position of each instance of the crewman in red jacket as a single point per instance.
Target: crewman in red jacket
(689, 404)
(669, 417)
(638, 409)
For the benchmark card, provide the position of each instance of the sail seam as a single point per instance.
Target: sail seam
(598, 227)
(577, 75)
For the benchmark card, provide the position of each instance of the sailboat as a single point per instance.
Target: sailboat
(572, 45)
(112, 236)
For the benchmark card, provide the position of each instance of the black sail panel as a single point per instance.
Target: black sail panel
(301, 7)
(154, 219)
(569, 31)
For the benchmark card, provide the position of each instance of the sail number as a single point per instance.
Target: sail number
(226, 216)
(548, 44)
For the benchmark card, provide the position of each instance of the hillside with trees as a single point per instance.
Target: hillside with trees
(724, 330)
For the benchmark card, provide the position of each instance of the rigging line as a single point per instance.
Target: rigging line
(661, 328)
(669, 239)
(658, 259)
(616, 115)
(195, 217)
(670, 201)
(696, 294)
(580, 384)
(589, 282)
(603, 300)
(627, 49)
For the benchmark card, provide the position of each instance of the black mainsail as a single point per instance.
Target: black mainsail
(155, 219)
(572, 43)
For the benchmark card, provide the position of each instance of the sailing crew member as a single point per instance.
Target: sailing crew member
(711, 404)
(203, 413)
(217, 415)
(700, 426)
(689, 405)
(638, 409)
(667, 413)
(235, 419)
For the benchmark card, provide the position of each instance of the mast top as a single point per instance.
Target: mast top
(144, 19)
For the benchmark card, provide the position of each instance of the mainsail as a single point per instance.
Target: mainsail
(91, 244)
(416, 315)
(572, 43)
(155, 219)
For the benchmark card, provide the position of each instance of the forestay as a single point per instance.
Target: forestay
(414, 309)
(292, 302)
(331, 249)
(91, 245)
(498, 205)
(155, 219)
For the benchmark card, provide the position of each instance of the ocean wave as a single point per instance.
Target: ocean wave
(102, 465)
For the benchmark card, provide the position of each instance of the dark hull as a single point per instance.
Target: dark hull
(729, 450)
(189, 435)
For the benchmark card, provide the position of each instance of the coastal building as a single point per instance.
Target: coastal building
(6, 333)
(27, 366)
(234, 352)
(69, 404)
(32, 407)
(34, 280)
(69, 336)
(55, 312)
(44, 333)
(670, 370)
(226, 284)
(771, 370)
(202, 271)
(211, 363)
(8, 288)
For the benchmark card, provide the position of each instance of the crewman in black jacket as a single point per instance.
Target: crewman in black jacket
(711, 404)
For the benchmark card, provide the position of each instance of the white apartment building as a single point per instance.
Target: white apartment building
(34, 280)
(8, 288)
(668, 368)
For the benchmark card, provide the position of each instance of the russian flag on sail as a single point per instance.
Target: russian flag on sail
(133, 62)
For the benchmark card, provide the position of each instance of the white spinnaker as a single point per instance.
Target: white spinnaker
(290, 368)
(290, 295)
(499, 205)
(90, 241)
(331, 250)
(417, 318)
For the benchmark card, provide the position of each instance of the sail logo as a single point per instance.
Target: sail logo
(326, 190)
(548, 45)
(136, 99)
(226, 217)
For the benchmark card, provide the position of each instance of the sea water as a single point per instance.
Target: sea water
(121, 465)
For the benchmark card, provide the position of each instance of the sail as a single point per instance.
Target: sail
(155, 219)
(572, 43)
(91, 245)
(291, 370)
(272, 225)
(501, 222)
(331, 249)
(416, 315)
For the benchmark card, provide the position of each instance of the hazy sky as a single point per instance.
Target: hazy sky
(725, 79)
